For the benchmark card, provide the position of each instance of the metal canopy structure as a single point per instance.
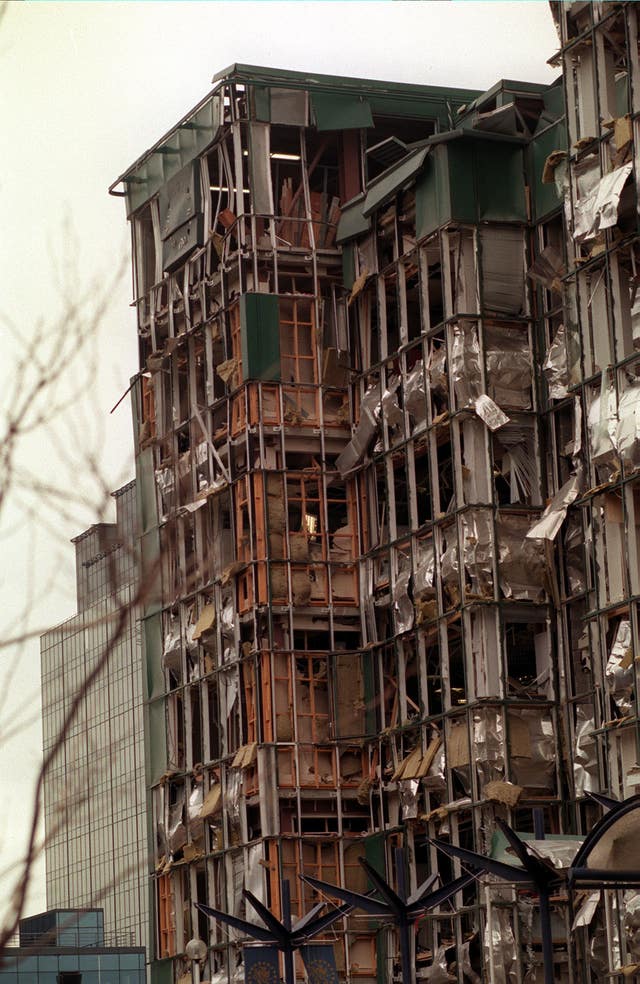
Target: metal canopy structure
(285, 935)
(401, 907)
(610, 854)
(535, 872)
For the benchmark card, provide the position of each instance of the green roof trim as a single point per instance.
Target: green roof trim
(392, 180)
(259, 75)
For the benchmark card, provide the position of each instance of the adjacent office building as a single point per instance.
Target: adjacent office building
(68, 946)
(94, 793)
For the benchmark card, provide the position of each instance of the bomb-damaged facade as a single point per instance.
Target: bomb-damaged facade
(386, 446)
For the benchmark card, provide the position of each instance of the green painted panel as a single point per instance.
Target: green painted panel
(462, 180)
(442, 108)
(393, 180)
(146, 490)
(261, 103)
(374, 853)
(161, 972)
(157, 741)
(500, 182)
(381, 956)
(554, 100)
(348, 265)
(341, 111)
(433, 200)
(544, 196)
(183, 145)
(152, 655)
(260, 336)
(352, 222)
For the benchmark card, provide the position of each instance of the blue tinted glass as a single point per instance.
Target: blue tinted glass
(8, 977)
(109, 961)
(49, 964)
(130, 961)
(111, 976)
(88, 961)
(69, 962)
(27, 964)
(29, 977)
(90, 977)
(130, 977)
(47, 978)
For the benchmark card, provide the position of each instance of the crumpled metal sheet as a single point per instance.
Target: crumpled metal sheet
(614, 423)
(403, 610)
(424, 574)
(487, 747)
(408, 790)
(587, 911)
(560, 853)
(574, 555)
(254, 880)
(390, 406)
(548, 526)
(450, 566)
(632, 923)
(490, 412)
(519, 461)
(627, 434)
(478, 550)
(536, 769)
(171, 650)
(500, 942)
(598, 209)
(604, 949)
(437, 369)
(228, 620)
(556, 366)
(196, 799)
(465, 963)
(436, 773)
(585, 753)
(165, 480)
(176, 830)
(465, 364)
(521, 562)
(548, 269)
(437, 973)
(508, 361)
(415, 394)
(602, 422)
(232, 796)
(365, 432)
(576, 446)
(619, 673)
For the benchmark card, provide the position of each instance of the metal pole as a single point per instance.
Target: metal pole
(289, 968)
(404, 926)
(547, 938)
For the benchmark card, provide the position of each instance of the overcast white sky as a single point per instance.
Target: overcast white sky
(85, 88)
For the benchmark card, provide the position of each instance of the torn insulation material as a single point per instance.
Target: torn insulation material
(548, 526)
(598, 209)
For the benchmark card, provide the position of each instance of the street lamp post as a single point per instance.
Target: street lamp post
(196, 950)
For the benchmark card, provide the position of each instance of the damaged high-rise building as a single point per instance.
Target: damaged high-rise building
(386, 441)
